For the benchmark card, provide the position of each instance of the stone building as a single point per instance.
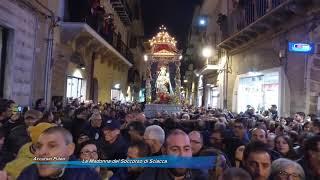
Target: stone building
(24, 41)
(256, 64)
(69, 49)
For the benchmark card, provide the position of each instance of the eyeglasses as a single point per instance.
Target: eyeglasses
(285, 175)
(87, 153)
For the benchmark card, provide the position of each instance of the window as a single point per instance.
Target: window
(259, 91)
(75, 87)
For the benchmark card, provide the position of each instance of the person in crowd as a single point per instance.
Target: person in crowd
(238, 156)
(154, 136)
(240, 130)
(55, 142)
(47, 117)
(286, 169)
(94, 127)
(5, 156)
(315, 126)
(299, 117)
(79, 122)
(177, 143)
(235, 174)
(40, 105)
(136, 131)
(113, 144)
(259, 134)
(137, 149)
(311, 158)
(5, 111)
(82, 138)
(257, 160)
(284, 146)
(274, 112)
(280, 130)
(32, 117)
(270, 140)
(18, 136)
(196, 141)
(96, 110)
(306, 126)
(217, 139)
(25, 156)
(221, 164)
(89, 150)
(15, 118)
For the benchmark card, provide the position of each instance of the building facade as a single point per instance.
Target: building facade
(66, 49)
(256, 65)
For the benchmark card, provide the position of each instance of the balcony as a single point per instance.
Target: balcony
(255, 18)
(94, 26)
(123, 11)
(209, 65)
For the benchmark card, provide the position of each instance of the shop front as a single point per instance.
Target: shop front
(260, 90)
(76, 85)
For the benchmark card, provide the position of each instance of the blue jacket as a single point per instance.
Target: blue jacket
(31, 173)
(92, 132)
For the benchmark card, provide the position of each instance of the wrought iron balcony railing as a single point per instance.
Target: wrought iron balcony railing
(248, 12)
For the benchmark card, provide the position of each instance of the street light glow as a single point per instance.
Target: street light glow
(207, 52)
(202, 22)
(117, 86)
(145, 57)
(180, 57)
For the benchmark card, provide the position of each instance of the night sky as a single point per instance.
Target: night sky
(176, 15)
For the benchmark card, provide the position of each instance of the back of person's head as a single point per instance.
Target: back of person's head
(235, 174)
(316, 122)
(34, 113)
(255, 147)
(137, 126)
(311, 144)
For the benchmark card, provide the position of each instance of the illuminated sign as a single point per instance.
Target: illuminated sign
(301, 47)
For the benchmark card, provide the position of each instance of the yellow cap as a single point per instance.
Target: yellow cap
(36, 131)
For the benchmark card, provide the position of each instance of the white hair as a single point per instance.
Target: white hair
(282, 163)
(155, 132)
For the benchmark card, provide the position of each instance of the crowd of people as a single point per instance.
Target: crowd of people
(248, 145)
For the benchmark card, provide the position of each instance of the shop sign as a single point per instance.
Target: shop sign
(301, 47)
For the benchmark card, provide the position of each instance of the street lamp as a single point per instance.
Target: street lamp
(207, 52)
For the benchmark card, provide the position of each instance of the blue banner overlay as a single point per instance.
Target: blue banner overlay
(202, 162)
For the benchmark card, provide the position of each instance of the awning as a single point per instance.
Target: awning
(85, 36)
